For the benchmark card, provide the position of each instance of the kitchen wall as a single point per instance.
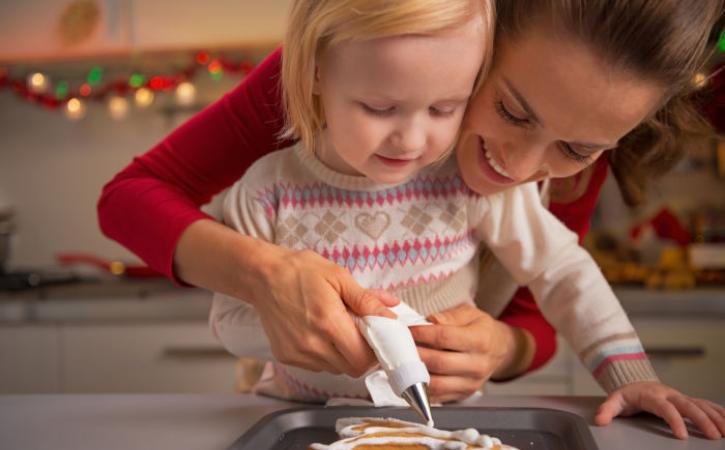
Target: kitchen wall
(52, 170)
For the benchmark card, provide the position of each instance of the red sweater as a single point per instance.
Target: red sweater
(148, 205)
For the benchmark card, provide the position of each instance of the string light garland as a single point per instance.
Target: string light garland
(38, 88)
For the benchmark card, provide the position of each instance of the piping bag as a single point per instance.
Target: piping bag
(394, 348)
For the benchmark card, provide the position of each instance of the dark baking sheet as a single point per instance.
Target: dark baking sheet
(524, 428)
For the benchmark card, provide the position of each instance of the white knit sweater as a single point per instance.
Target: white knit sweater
(419, 241)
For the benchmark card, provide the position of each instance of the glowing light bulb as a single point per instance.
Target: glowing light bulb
(75, 109)
(143, 98)
(38, 83)
(185, 93)
(118, 107)
(699, 80)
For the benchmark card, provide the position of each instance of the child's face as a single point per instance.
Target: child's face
(549, 107)
(394, 105)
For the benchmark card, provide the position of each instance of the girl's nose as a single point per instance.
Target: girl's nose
(409, 136)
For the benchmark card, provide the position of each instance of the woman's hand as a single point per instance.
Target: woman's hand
(462, 350)
(302, 298)
(305, 313)
(667, 403)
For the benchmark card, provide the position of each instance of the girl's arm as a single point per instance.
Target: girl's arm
(573, 202)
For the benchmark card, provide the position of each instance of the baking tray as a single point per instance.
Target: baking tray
(524, 428)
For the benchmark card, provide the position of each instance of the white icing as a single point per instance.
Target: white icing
(432, 438)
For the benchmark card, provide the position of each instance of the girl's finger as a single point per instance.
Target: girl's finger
(692, 411)
(668, 412)
(611, 408)
(453, 363)
(718, 417)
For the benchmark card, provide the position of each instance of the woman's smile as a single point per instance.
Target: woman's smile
(490, 167)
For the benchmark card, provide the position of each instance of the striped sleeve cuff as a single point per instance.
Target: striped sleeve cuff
(618, 360)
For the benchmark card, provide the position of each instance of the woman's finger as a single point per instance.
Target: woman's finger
(461, 315)
(446, 337)
(460, 364)
(716, 415)
(689, 409)
(354, 352)
(448, 388)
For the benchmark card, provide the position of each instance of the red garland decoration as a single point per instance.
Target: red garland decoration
(120, 86)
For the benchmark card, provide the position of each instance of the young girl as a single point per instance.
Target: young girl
(364, 94)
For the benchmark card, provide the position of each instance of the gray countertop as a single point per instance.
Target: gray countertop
(194, 422)
(159, 300)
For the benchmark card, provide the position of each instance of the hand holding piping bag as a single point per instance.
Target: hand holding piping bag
(396, 351)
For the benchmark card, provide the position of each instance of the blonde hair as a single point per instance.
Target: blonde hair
(317, 25)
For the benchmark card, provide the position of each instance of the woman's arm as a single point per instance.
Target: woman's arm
(152, 208)
(152, 202)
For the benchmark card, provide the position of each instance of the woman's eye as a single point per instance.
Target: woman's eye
(377, 111)
(507, 116)
(569, 152)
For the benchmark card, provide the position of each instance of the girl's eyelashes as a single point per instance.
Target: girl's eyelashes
(509, 117)
(390, 110)
(441, 112)
(569, 152)
(375, 111)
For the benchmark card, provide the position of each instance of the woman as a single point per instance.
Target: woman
(152, 206)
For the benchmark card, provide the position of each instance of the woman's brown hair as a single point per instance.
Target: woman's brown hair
(661, 40)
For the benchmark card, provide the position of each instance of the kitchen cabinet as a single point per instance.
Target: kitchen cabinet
(37, 30)
(164, 24)
(29, 359)
(58, 29)
(173, 357)
(106, 357)
(688, 353)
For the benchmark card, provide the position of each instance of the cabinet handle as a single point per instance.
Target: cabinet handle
(676, 352)
(195, 353)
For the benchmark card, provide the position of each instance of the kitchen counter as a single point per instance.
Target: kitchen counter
(115, 299)
(106, 300)
(178, 422)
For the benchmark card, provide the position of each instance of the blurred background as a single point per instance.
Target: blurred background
(87, 84)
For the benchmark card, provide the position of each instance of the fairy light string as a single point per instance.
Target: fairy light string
(71, 98)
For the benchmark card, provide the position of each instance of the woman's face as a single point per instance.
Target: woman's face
(549, 108)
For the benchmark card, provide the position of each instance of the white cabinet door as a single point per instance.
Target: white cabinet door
(40, 29)
(163, 24)
(687, 354)
(156, 357)
(552, 379)
(29, 359)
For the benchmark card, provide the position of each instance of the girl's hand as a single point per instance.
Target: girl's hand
(667, 403)
(462, 350)
(303, 304)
